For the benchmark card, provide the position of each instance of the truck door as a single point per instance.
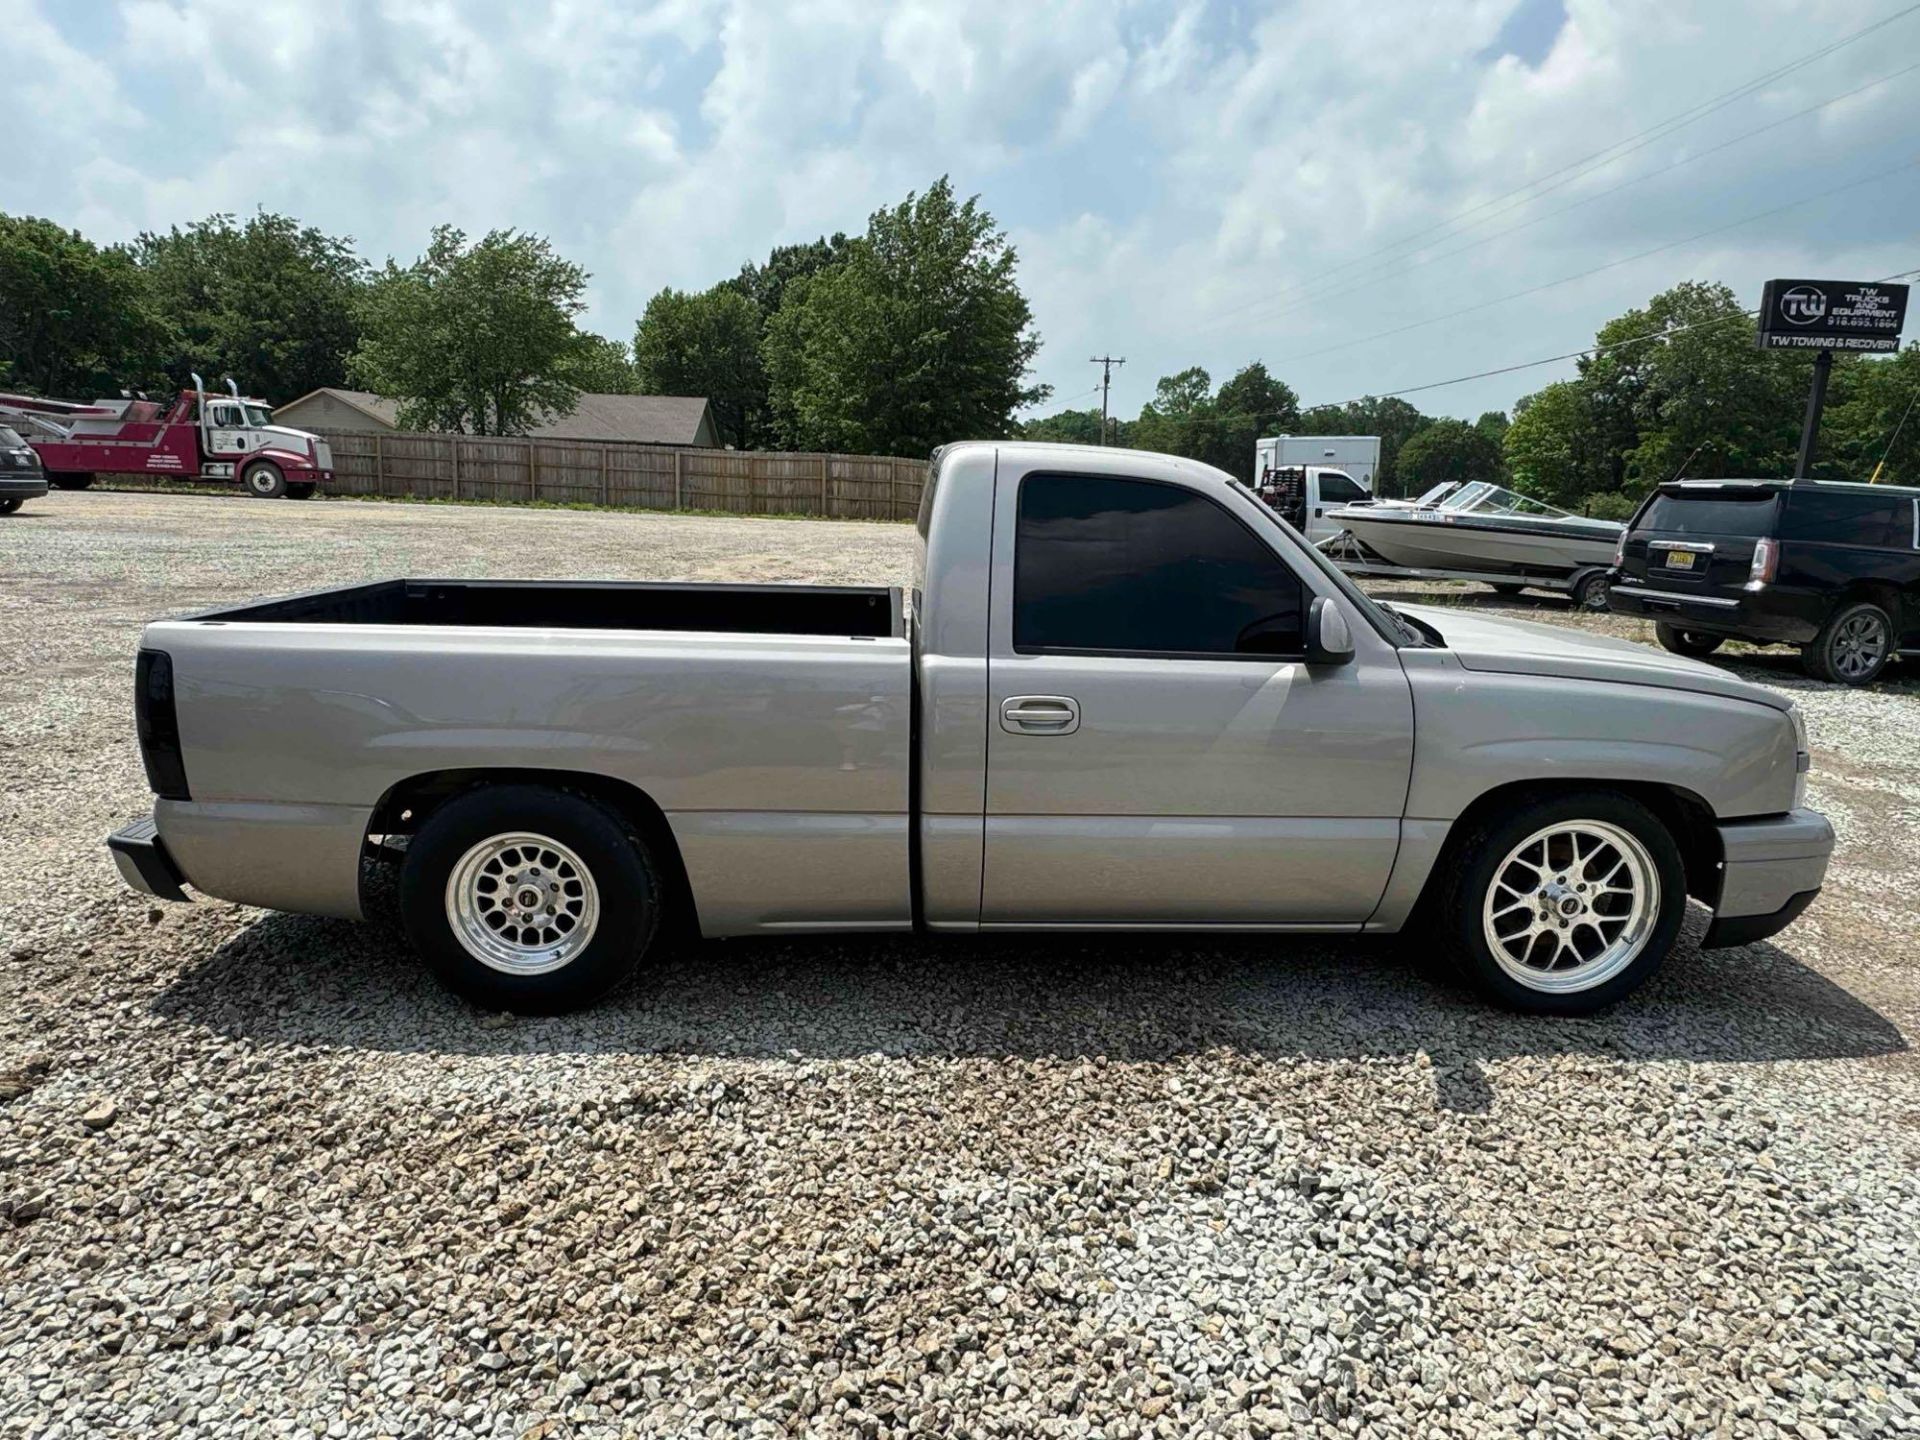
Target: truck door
(1158, 752)
(228, 437)
(1330, 489)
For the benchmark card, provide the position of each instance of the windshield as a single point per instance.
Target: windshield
(259, 415)
(10, 439)
(1486, 498)
(1438, 493)
(1390, 626)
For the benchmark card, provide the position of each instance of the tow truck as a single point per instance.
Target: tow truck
(217, 439)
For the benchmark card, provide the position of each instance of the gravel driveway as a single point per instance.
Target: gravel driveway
(257, 1174)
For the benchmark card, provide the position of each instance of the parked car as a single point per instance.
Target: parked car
(1831, 568)
(21, 478)
(1124, 695)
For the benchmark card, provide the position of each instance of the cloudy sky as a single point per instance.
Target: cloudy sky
(1186, 183)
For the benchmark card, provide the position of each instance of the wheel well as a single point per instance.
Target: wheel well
(409, 804)
(1688, 818)
(1886, 596)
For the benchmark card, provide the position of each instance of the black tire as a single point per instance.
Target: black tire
(265, 481)
(1508, 588)
(7, 507)
(1853, 647)
(1478, 857)
(70, 481)
(1590, 591)
(300, 489)
(618, 871)
(1692, 643)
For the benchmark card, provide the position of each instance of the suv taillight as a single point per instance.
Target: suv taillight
(1766, 559)
(157, 724)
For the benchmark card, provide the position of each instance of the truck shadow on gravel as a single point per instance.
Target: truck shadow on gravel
(332, 985)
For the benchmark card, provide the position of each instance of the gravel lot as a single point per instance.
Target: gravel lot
(258, 1175)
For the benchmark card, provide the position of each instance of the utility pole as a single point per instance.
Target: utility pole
(1106, 364)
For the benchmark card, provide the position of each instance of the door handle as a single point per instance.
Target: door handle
(1040, 715)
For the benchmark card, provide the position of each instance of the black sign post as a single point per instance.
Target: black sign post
(1825, 316)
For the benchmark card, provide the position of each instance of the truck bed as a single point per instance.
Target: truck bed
(864, 611)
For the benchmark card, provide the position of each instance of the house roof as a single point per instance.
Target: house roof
(652, 419)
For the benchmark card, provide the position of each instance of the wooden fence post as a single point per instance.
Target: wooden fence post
(379, 466)
(533, 468)
(606, 486)
(893, 491)
(679, 470)
(825, 503)
(455, 443)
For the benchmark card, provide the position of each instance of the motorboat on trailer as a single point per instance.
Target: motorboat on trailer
(1486, 528)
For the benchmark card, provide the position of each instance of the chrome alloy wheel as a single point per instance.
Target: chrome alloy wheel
(1859, 645)
(522, 903)
(1571, 906)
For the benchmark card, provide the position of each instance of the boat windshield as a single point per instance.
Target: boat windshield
(1437, 494)
(1483, 497)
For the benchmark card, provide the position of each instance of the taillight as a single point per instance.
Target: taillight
(157, 724)
(1766, 559)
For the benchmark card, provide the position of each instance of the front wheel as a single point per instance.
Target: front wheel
(528, 899)
(265, 481)
(1563, 905)
(7, 507)
(1853, 647)
(1691, 643)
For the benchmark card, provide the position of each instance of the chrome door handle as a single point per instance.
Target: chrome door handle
(1040, 714)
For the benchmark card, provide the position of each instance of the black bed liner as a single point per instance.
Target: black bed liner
(868, 611)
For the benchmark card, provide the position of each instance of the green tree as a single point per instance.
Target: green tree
(1390, 418)
(1180, 419)
(270, 303)
(918, 337)
(766, 285)
(603, 367)
(75, 320)
(1874, 415)
(1078, 427)
(1493, 424)
(1250, 405)
(1446, 450)
(476, 338)
(709, 345)
(1555, 448)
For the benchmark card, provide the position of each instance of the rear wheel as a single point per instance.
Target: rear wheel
(7, 507)
(69, 481)
(1590, 591)
(300, 489)
(1853, 647)
(264, 481)
(1694, 643)
(1565, 904)
(528, 899)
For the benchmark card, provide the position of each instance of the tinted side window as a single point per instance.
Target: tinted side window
(1337, 489)
(1102, 564)
(1839, 518)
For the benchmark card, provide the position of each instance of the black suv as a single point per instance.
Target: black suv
(21, 478)
(1832, 568)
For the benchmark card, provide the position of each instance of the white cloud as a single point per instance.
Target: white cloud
(1177, 175)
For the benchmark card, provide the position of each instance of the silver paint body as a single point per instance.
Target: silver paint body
(1053, 791)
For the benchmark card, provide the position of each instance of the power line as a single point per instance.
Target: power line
(1661, 334)
(1610, 153)
(1610, 265)
(1265, 310)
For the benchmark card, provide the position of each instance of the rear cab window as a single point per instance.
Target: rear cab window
(1104, 565)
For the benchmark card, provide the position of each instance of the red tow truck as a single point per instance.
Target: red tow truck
(210, 438)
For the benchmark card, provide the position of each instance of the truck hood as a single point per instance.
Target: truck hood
(297, 440)
(1521, 647)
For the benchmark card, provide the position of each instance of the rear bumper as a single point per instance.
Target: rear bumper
(1773, 870)
(22, 485)
(1745, 616)
(143, 861)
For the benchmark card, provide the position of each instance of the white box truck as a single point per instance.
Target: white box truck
(1358, 455)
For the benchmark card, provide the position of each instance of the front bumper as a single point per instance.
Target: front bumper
(22, 484)
(1773, 868)
(143, 861)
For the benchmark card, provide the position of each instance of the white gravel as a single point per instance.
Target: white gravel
(259, 1175)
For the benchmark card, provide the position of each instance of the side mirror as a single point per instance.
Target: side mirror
(1329, 641)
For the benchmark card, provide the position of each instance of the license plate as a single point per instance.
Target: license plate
(1680, 559)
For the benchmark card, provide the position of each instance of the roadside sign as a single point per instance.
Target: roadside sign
(1849, 315)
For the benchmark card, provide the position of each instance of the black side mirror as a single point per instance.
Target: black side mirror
(1329, 640)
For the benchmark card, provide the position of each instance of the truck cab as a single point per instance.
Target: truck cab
(1306, 495)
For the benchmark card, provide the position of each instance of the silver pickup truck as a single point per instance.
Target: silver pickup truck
(1121, 695)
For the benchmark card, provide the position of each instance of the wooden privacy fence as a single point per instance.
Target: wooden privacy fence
(426, 466)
